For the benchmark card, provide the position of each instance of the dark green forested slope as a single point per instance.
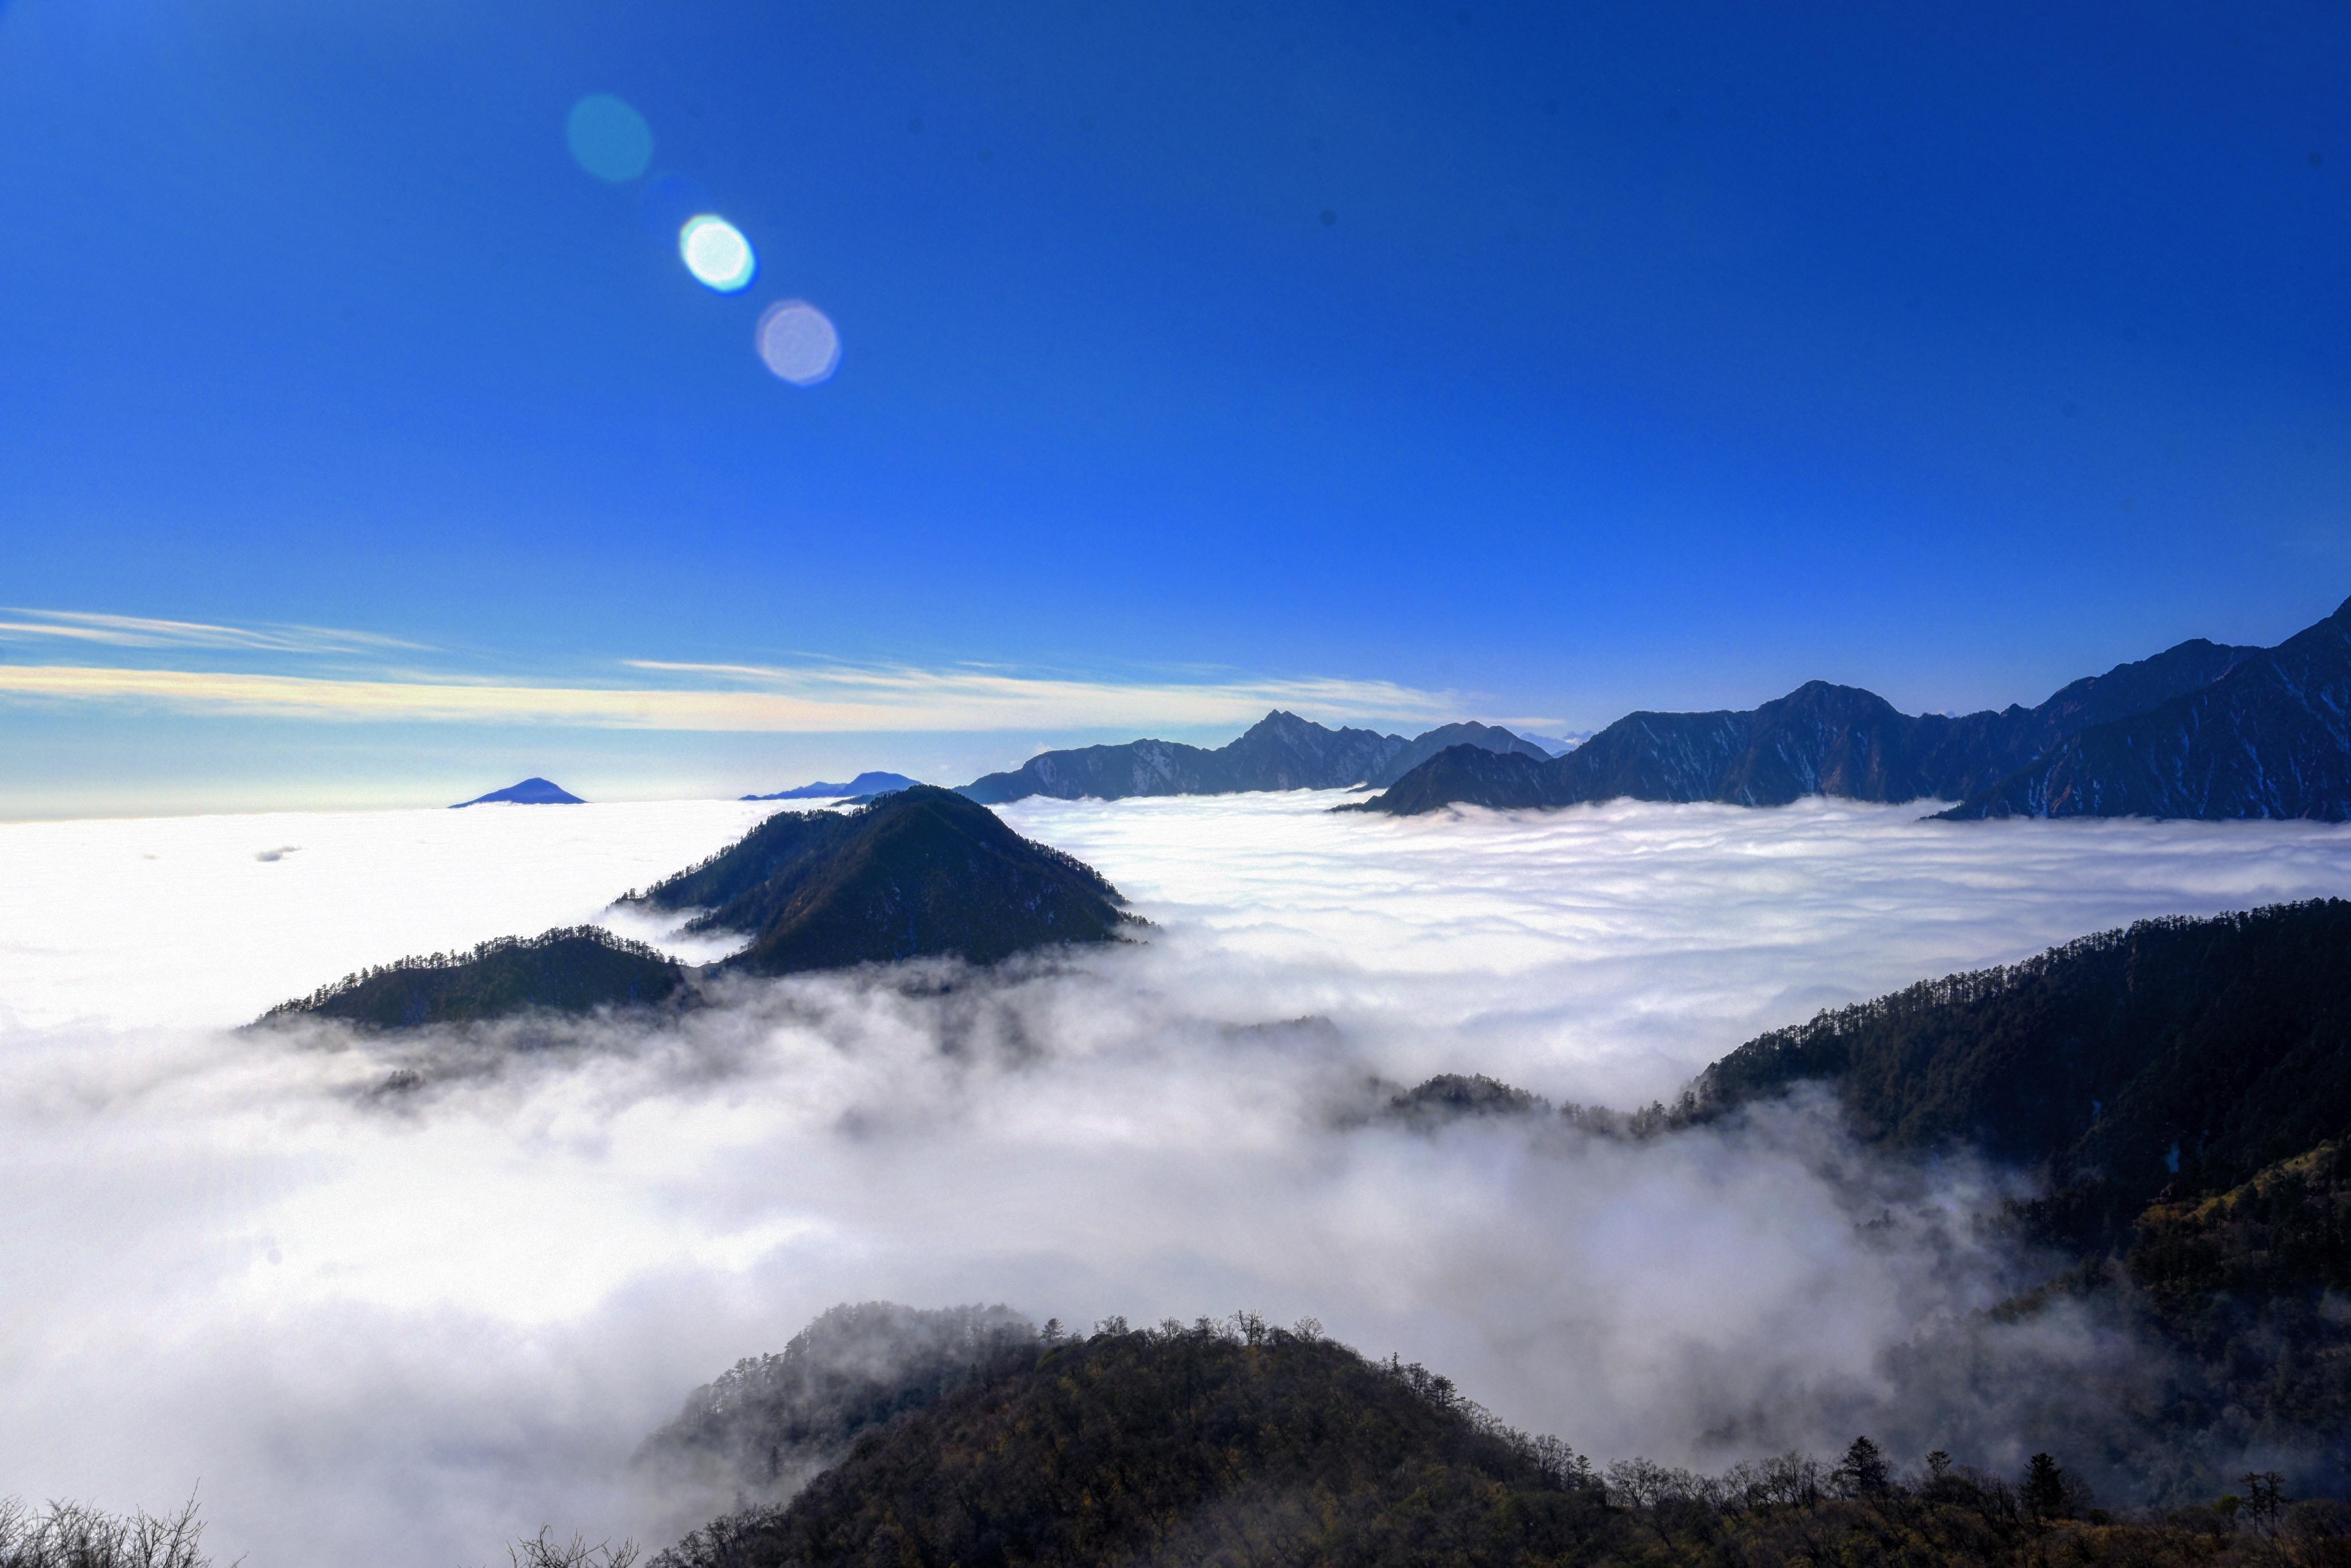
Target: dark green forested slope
(1181, 1446)
(2180, 1053)
(2182, 1090)
(762, 1426)
(573, 970)
(1241, 1446)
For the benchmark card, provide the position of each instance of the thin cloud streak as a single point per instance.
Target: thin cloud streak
(834, 699)
(141, 632)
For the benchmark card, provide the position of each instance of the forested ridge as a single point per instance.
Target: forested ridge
(1241, 1443)
(2181, 1090)
(571, 969)
(2178, 1055)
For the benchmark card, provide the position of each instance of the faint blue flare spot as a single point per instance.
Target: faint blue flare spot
(798, 342)
(717, 253)
(608, 138)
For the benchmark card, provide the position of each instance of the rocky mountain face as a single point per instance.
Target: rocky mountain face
(1819, 740)
(1280, 751)
(2271, 737)
(1490, 739)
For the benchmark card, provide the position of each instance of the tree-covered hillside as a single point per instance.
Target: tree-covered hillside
(1239, 1444)
(920, 872)
(2179, 1055)
(573, 970)
(1181, 1446)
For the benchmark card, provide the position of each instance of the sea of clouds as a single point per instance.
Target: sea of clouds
(395, 1303)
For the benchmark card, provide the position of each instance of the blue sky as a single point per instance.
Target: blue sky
(1525, 363)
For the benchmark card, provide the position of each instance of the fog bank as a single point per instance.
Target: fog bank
(399, 1325)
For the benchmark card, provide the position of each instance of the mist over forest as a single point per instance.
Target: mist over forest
(441, 1286)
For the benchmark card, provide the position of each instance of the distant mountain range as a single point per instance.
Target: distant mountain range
(920, 872)
(2198, 730)
(2270, 737)
(530, 793)
(863, 784)
(1280, 751)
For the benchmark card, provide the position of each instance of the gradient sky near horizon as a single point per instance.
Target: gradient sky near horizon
(1388, 362)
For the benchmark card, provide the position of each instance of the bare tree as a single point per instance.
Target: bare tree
(76, 1535)
(541, 1551)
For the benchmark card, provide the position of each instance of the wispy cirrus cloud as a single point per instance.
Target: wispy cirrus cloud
(142, 631)
(831, 699)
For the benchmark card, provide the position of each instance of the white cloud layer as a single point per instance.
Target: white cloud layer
(392, 1328)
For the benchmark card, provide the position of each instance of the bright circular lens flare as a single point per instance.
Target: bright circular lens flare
(798, 342)
(608, 138)
(717, 253)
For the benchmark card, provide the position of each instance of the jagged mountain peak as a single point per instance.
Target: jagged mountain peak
(2237, 721)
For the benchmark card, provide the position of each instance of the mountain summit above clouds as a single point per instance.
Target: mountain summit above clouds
(530, 793)
(920, 872)
(1280, 751)
(2082, 744)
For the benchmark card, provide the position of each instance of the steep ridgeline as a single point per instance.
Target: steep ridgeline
(920, 872)
(1818, 739)
(2179, 1053)
(1280, 751)
(570, 971)
(2271, 737)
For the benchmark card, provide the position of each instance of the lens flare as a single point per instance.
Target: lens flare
(717, 253)
(608, 138)
(798, 342)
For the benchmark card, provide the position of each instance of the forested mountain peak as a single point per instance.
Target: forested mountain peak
(920, 872)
